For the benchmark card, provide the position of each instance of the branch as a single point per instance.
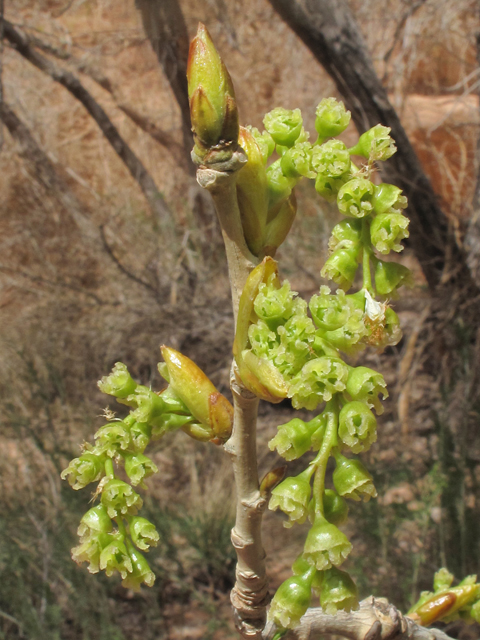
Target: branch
(329, 30)
(376, 619)
(73, 85)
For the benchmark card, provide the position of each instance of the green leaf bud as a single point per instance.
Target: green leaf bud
(143, 533)
(279, 187)
(119, 383)
(331, 159)
(113, 438)
(442, 580)
(332, 118)
(388, 198)
(339, 592)
(335, 507)
(95, 521)
(120, 499)
(284, 125)
(140, 434)
(357, 426)
(291, 600)
(365, 385)
(341, 267)
(293, 439)
(346, 234)
(89, 467)
(389, 276)
(328, 187)
(114, 557)
(292, 497)
(138, 467)
(200, 432)
(297, 161)
(326, 546)
(140, 572)
(265, 142)
(375, 144)
(274, 306)
(387, 231)
(352, 480)
(355, 198)
(317, 381)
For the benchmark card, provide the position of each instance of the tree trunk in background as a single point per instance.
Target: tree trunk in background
(329, 30)
(166, 29)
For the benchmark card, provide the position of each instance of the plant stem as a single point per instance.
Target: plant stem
(320, 462)
(367, 251)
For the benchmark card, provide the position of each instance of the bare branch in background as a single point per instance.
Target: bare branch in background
(73, 85)
(329, 30)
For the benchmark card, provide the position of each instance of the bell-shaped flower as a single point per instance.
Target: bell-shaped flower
(140, 572)
(341, 267)
(284, 125)
(149, 405)
(292, 600)
(120, 499)
(143, 533)
(138, 467)
(297, 161)
(317, 381)
(355, 198)
(118, 383)
(387, 231)
(375, 144)
(94, 522)
(331, 118)
(140, 434)
(389, 276)
(332, 160)
(293, 439)
(89, 551)
(295, 349)
(329, 312)
(351, 479)
(114, 557)
(274, 305)
(345, 235)
(357, 426)
(89, 467)
(365, 385)
(292, 497)
(338, 593)
(335, 507)
(388, 199)
(326, 545)
(112, 438)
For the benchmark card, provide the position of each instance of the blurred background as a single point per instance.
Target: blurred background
(109, 249)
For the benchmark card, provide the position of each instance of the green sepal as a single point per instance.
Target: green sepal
(389, 276)
(143, 533)
(357, 426)
(279, 188)
(352, 480)
(293, 439)
(138, 467)
(346, 234)
(292, 497)
(89, 467)
(140, 572)
(387, 231)
(114, 557)
(120, 499)
(339, 592)
(365, 385)
(355, 198)
(341, 267)
(388, 198)
(292, 600)
(326, 545)
(94, 522)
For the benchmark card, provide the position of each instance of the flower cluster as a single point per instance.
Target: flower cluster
(112, 534)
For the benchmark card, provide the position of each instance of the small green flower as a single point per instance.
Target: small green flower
(357, 426)
(341, 267)
(388, 199)
(120, 499)
(143, 533)
(119, 383)
(346, 235)
(292, 497)
(297, 161)
(140, 434)
(389, 276)
(339, 592)
(365, 385)
(328, 187)
(326, 546)
(331, 159)
(140, 572)
(292, 600)
(112, 438)
(94, 522)
(387, 231)
(293, 439)
(284, 125)
(274, 306)
(89, 551)
(335, 507)
(355, 198)
(138, 467)
(332, 118)
(317, 381)
(114, 557)
(89, 467)
(375, 144)
(150, 406)
(443, 579)
(329, 312)
(352, 480)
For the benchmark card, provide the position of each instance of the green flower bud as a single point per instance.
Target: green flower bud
(355, 198)
(388, 198)
(140, 572)
(284, 125)
(213, 109)
(89, 467)
(291, 600)
(170, 422)
(352, 480)
(279, 187)
(317, 381)
(326, 546)
(339, 592)
(442, 580)
(346, 234)
(375, 144)
(114, 557)
(328, 187)
(274, 306)
(264, 140)
(387, 231)
(332, 118)
(365, 384)
(112, 438)
(357, 426)
(120, 499)
(341, 267)
(297, 161)
(95, 521)
(389, 276)
(293, 439)
(292, 497)
(331, 159)
(140, 434)
(143, 533)
(138, 467)
(335, 507)
(119, 383)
